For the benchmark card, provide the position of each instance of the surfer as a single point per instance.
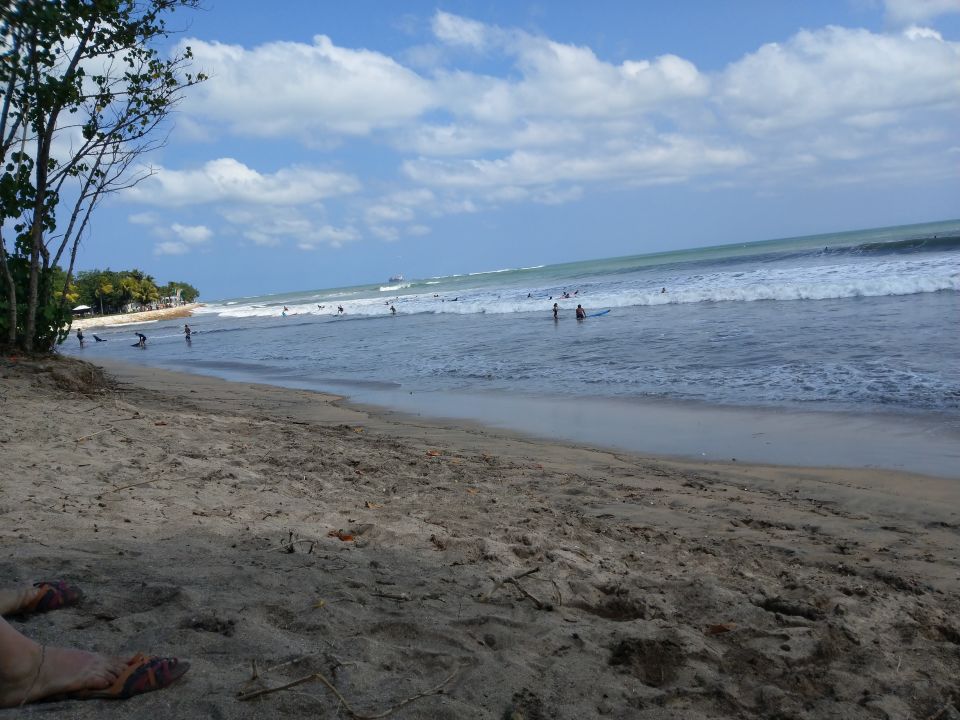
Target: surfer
(581, 313)
(556, 311)
(98, 339)
(142, 342)
(80, 336)
(339, 309)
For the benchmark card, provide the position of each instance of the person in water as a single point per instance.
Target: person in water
(142, 342)
(556, 311)
(80, 336)
(98, 339)
(581, 313)
(393, 310)
(339, 309)
(187, 330)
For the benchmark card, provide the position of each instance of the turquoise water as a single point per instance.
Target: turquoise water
(860, 321)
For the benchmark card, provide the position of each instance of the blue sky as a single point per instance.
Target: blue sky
(340, 143)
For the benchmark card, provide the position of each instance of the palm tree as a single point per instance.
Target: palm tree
(103, 288)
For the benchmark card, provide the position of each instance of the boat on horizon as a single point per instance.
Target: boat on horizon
(396, 278)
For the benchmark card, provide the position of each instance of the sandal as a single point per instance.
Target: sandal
(53, 595)
(142, 675)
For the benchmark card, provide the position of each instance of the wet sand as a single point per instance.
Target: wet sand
(228, 523)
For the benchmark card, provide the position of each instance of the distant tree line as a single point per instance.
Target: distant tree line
(110, 291)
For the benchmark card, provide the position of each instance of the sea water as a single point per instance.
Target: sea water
(859, 322)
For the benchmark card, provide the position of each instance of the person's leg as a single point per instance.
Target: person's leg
(29, 671)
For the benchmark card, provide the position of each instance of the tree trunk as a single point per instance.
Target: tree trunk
(36, 238)
(11, 296)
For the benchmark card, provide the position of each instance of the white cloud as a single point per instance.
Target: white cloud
(270, 227)
(144, 218)
(838, 74)
(327, 235)
(471, 138)
(673, 157)
(904, 12)
(192, 234)
(188, 237)
(171, 248)
(456, 30)
(316, 88)
(388, 233)
(385, 215)
(229, 180)
(558, 80)
(555, 121)
(559, 196)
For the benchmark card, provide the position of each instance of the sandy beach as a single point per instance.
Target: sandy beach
(130, 318)
(447, 570)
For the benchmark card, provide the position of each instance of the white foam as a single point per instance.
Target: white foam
(774, 283)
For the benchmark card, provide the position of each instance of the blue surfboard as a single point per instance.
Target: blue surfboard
(598, 314)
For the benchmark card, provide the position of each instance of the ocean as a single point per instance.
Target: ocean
(855, 323)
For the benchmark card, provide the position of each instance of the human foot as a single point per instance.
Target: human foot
(36, 672)
(39, 597)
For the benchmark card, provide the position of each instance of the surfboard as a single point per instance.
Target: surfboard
(598, 314)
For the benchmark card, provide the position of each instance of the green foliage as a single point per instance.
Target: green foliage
(188, 293)
(68, 65)
(109, 291)
(52, 318)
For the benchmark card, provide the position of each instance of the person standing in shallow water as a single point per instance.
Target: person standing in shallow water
(556, 311)
(80, 336)
(581, 313)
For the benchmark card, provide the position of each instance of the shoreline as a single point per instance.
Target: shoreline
(225, 522)
(688, 431)
(133, 318)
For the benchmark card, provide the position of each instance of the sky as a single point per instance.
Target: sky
(341, 143)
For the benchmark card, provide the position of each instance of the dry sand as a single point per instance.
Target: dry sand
(198, 514)
(133, 318)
